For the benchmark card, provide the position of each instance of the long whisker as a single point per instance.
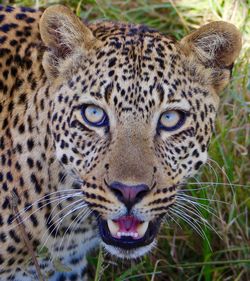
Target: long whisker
(214, 171)
(164, 219)
(50, 218)
(58, 222)
(186, 218)
(84, 214)
(54, 208)
(193, 223)
(180, 199)
(49, 201)
(60, 219)
(217, 183)
(199, 216)
(223, 172)
(46, 198)
(200, 198)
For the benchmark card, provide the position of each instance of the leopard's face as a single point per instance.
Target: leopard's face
(131, 119)
(132, 129)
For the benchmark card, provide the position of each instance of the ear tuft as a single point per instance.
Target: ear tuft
(215, 44)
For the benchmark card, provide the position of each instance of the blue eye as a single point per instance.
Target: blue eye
(172, 120)
(94, 115)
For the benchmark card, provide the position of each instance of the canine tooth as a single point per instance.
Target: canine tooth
(119, 234)
(113, 227)
(142, 228)
(136, 235)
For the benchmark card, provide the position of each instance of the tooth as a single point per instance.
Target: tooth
(113, 227)
(142, 228)
(119, 234)
(136, 235)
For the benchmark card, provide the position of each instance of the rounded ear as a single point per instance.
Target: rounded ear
(63, 33)
(216, 45)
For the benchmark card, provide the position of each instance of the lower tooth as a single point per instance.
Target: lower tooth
(142, 228)
(127, 234)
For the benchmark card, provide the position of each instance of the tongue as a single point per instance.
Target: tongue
(127, 224)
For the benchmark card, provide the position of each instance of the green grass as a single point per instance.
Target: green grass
(224, 183)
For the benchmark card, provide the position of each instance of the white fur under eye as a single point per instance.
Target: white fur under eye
(170, 118)
(94, 114)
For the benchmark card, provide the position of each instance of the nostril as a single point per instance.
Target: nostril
(141, 194)
(117, 193)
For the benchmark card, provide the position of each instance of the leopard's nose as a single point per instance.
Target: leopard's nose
(129, 194)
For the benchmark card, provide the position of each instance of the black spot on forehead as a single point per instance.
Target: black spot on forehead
(136, 68)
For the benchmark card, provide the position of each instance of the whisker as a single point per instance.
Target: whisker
(45, 198)
(214, 171)
(200, 198)
(223, 172)
(194, 204)
(195, 221)
(184, 217)
(199, 215)
(64, 209)
(54, 208)
(84, 213)
(58, 222)
(218, 183)
(35, 211)
(172, 218)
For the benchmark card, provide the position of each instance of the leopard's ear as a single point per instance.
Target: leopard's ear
(64, 34)
(216, 45)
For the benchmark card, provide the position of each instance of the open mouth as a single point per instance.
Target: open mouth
(128, 232)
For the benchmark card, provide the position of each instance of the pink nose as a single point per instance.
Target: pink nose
(129, 194)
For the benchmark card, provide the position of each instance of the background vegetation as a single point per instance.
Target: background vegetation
(216, 246)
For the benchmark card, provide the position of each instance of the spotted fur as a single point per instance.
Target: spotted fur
(134, 74)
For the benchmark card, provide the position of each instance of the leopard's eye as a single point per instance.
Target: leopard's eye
(172, 120)
(93, 115)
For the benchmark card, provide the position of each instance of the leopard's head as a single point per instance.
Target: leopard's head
(132, 115)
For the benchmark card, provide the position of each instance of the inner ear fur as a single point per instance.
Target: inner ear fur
(216, 46)
(63, 33)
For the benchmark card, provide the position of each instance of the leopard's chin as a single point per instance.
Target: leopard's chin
(129, 254)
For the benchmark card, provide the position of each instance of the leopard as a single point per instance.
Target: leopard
(101, 123)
